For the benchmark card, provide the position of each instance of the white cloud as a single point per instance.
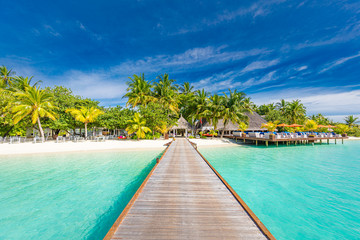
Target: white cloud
(338, 62)
(317, 100)
(223, 81)
(259, 8)
(51, 30)
(346, 34)
(97, 85)
(339, 118)
(260, 65)
(192, 58)
(302, 68)
(93, 35)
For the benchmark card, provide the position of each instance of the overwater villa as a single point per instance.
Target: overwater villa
(254, 124)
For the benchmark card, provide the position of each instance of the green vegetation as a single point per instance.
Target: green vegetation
(138, 125)
(34, 103)
(270, 126)
(152, 108)
(85, 115)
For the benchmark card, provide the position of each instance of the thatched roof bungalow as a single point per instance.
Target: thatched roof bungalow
(181, 127)
(255, 122)
(182, 124)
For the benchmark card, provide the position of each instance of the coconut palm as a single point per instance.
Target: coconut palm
(85, 115)
(138, 125)
(351, 120)
(243, 126)
(163, 128)
(282, 105)
(296, 111)
(20, 83)
(234, 108)
(35, 103)
(186, 88)
(6, 75)
(139, 91)
(214, 110)
(166, 92)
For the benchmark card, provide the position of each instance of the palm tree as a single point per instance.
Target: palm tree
(214, 110)
(163, 128)
(243, 126)
(235, 105)
(282, 105)
(35, 103)
(85, 115)
(186, 88)
(166, 92)
(139, 91)
(186, 103)
(6, 75)
(137, 124)
(20, 83)
(199, 104)
(351, 120)
(296, 111)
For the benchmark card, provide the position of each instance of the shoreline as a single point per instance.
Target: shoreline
(90, 146)
(86, 146)
(110, 145)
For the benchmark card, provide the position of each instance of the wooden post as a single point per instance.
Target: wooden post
(287, 143)
(267, 143)
(335, 140)
(256, 142)
(320, 141)
(277, 143)
(244, 140)
(328, 142)
(342, 141)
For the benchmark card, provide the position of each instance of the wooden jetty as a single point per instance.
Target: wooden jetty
(185, 198)
(288, 141)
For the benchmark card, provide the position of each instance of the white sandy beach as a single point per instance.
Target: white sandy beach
(52, 147)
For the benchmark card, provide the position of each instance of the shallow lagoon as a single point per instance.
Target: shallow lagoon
(298, 192)
(70, 195)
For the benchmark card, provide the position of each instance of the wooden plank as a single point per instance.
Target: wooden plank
(184, 199)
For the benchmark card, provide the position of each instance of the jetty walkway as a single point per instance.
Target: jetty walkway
(183, 198)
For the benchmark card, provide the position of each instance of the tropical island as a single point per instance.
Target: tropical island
(153, 109)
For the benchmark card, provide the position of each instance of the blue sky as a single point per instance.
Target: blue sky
(308, 50)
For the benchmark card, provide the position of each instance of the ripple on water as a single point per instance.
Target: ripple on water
(70, 195)
(298, 192)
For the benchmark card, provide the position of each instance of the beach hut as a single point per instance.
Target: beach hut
(255, 122)
(181, 127)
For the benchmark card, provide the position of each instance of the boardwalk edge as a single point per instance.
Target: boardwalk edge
(247, 209)
(123, 214)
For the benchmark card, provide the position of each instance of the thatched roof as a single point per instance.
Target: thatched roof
(182, 124)
(255, 122)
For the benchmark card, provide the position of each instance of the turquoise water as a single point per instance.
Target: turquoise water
(70, 195)
(298, 192)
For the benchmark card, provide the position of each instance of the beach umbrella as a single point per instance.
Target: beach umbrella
(283, 125)
(295, 125)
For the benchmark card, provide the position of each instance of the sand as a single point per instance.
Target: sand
(52, 147)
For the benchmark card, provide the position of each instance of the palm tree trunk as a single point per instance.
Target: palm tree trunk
(41, 130)
(222, 133)
(85, 131)
(7, 132)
